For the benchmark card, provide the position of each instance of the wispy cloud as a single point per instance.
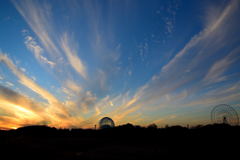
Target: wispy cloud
(18, 110)
(70, 114)
(54, 106)
(29, 83)
(72, 55)
(32, 45)
(39, 17)
(183, 82)
(73, 86)
(16, 98)
(203, 38)
(216, 72)
(218, 96)
(9, 84)
(61, 48)
(187, 74)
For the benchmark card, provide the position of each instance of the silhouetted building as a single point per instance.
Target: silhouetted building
(106, 122)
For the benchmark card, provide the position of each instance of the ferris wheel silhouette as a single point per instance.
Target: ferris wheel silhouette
(224, 114)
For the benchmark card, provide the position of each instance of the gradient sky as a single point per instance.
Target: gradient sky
(67, 63)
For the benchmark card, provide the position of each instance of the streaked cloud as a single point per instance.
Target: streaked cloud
(9, 84)
(18, 110)
(39, 18)
(16, 98)
(28, 82)
(72, 55)
(188, 73)
(202, 38)
(216, 72)
(55, 106)
(32, 45)
(73, 86)
(90, 64)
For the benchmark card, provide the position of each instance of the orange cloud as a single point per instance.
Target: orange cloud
(26, 111)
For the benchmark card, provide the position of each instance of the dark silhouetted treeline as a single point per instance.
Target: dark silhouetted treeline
(122, 142)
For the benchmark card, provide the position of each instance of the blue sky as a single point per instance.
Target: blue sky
(68, 63)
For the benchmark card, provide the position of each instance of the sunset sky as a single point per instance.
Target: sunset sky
(68, 63)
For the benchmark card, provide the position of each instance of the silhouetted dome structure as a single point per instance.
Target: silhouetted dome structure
(106, 122)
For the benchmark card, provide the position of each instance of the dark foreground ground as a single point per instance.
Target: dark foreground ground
(125, 142)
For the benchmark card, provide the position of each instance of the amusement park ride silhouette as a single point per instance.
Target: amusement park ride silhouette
(220, 114)
(224, 114)
(126, 141)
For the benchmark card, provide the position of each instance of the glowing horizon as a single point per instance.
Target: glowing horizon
(68, 64)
